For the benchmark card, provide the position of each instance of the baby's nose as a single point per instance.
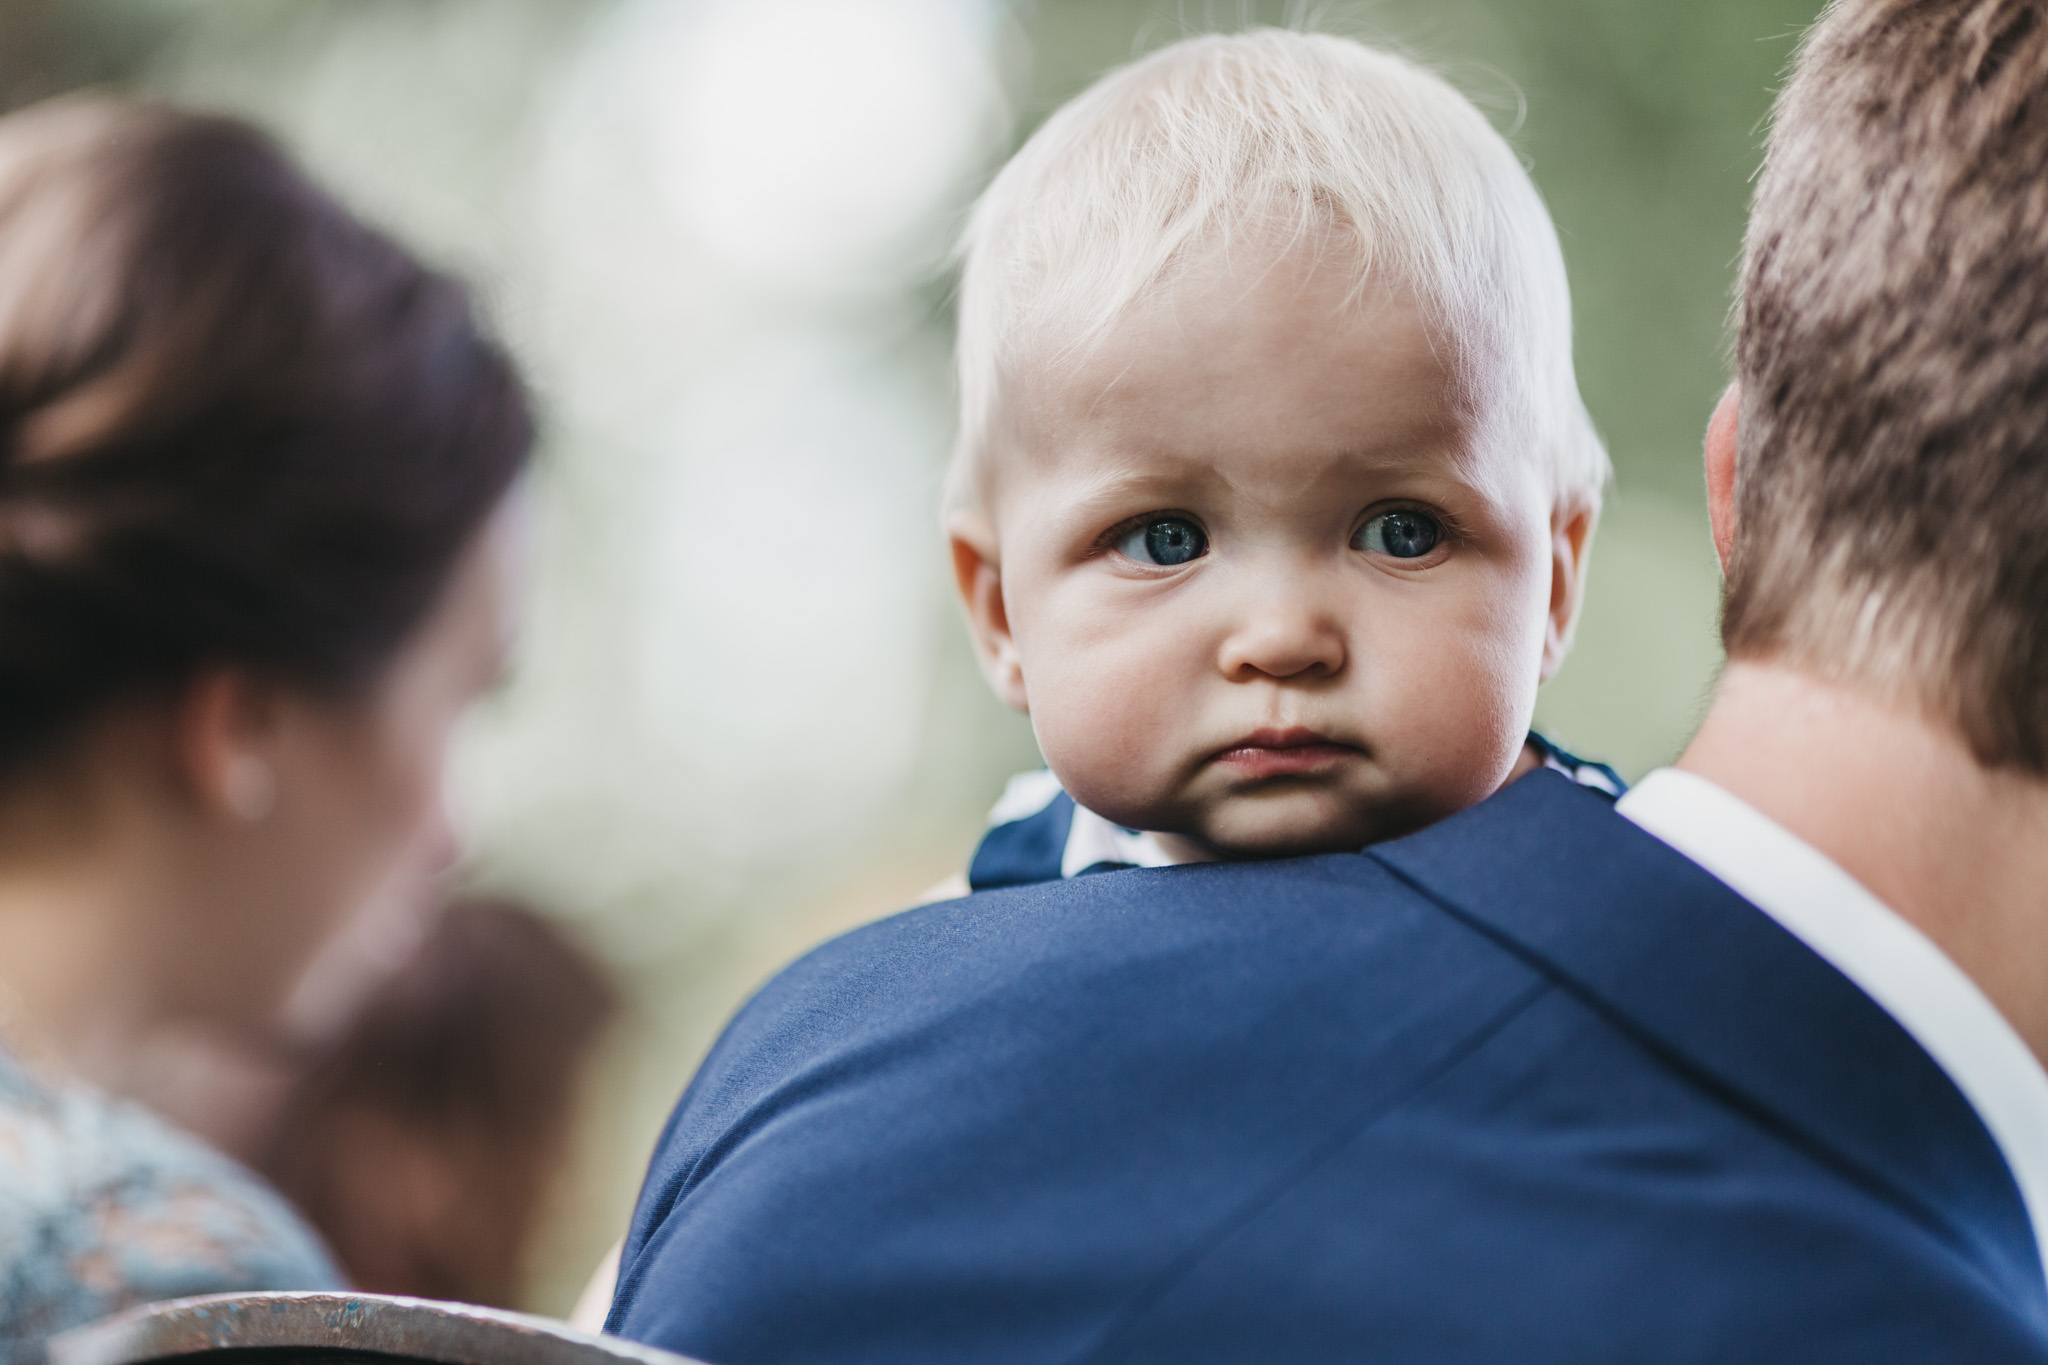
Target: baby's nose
(1282, 641)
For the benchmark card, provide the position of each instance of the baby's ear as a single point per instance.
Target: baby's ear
(1571, 542)
(978, 573)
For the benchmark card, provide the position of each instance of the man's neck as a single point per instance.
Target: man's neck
(1897, 800)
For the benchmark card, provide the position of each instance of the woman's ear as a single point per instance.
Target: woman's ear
(1721, 448)
(224, 729)
(1571, 542)
(978, 573)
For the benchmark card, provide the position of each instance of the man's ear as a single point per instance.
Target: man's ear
(978, 572)
(1721, 447)
(1571, 542)
(224, 731)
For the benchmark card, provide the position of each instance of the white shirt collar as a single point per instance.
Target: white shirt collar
(1867, 941)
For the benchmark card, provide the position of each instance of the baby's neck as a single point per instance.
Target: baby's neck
(1182, 849)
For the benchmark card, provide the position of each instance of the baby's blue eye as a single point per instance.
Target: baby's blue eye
(1404, 534)
(1169, 540)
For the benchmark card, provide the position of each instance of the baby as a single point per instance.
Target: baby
(1274, 488)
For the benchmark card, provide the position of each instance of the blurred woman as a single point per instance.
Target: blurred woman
(255, 466)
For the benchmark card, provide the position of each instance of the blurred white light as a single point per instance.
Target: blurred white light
(731, 208)
(790, 636)
(805, 138)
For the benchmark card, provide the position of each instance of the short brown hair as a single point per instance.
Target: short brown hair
(1892, 525)
(423, 1146)
(237, 426)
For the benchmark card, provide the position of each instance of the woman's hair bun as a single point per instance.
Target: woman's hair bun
(237, 425)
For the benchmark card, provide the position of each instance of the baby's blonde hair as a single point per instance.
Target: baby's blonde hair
(1217, 136)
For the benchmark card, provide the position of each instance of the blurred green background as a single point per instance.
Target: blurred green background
(745, 716)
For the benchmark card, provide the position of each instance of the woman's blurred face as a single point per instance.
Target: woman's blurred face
(357, 836)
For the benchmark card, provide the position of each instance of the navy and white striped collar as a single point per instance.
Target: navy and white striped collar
(1037, 833)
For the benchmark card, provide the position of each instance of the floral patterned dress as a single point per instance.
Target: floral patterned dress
(103, 1205)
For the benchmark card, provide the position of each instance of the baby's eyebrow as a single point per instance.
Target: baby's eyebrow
(1112, 487)
(1112, 477)
(1109, 471)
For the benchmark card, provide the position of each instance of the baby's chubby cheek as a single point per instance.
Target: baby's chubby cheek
(1115, 705)
(1448, 732)
(1452, 677)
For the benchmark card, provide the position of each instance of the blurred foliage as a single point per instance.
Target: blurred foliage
(50, 46)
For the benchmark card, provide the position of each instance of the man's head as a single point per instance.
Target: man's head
(1891, 476)
(1274, 483)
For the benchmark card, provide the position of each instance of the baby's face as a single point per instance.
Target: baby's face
(1255, 574)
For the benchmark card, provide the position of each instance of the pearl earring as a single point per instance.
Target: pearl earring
(250, 790)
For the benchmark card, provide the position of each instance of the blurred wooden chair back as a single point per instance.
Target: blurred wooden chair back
(339, 1329)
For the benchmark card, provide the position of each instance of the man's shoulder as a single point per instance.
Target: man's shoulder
(1018, 1035)
(1138, 954)
(1026, 979)
(1080, 953)
(1526, 1086)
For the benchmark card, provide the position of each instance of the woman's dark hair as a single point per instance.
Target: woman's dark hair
(237, 426)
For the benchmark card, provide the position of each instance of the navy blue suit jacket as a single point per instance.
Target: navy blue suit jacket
(1526, 1087)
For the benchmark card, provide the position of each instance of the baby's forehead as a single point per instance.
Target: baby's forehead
(1286, 357)
(1305, 315)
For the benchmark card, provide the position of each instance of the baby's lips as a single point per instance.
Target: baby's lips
(1298, 754)
(1288, 737)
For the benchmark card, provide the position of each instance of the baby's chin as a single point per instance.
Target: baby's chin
(1273, 826)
